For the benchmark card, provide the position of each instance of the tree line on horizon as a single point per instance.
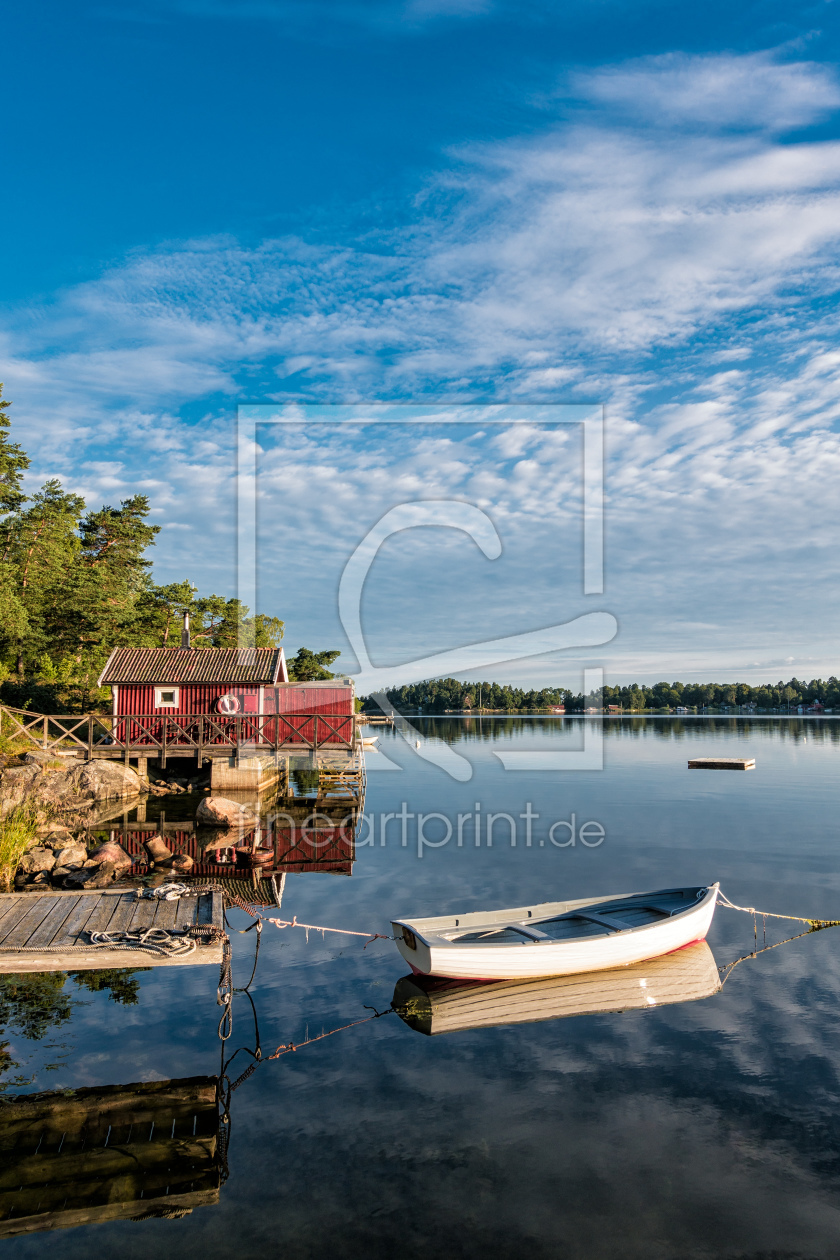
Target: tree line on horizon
(75, 583)
(438, 695)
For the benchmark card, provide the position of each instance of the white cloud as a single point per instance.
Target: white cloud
(676, 271)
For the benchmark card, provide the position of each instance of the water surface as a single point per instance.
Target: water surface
(695, 1129)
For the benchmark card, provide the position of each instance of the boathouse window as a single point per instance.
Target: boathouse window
(167, 697)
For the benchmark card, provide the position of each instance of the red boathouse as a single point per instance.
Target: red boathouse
(211, 702)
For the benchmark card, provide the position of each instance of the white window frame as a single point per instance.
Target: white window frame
(167, 704)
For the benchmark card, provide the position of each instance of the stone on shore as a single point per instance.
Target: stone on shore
(72, 856)
(218, 811)
(36, 860)
(59, 788)
(99, 876)
(112, 852)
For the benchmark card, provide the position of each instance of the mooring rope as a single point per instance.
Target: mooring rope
(769, 914)
(317, 927)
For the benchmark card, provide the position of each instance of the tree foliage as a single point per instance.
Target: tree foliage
(76, 582)
(441, 694)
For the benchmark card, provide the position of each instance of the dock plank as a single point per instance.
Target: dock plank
(36, 912)
(143, 916)
(21, 904)
(187, 912)
(124, 913)
(166, 913)
(52, 924)
(73, 928)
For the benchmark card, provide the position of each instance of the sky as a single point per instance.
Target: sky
(464, 203)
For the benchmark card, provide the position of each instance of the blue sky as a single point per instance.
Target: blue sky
(208, 204)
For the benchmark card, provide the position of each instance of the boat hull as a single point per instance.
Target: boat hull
(435, 957)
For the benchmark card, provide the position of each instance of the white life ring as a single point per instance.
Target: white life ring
(228, 705)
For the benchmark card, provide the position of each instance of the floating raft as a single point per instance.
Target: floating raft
(50, 931)
(722, 763)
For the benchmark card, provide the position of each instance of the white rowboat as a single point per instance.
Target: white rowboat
(557, 938)
(432, 1005)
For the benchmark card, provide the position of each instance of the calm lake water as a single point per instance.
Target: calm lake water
(708, 1128)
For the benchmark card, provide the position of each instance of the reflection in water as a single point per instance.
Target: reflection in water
(491, 729)
(434, 1006)
(116, 1152)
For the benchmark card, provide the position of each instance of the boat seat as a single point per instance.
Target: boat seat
(591, 916)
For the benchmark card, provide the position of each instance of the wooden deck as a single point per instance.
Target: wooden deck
(722, 763)
(49, 931)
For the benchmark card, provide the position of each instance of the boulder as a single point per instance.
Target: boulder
(218, 811)
(111, 852)
(52, 758)
(157, 849)
(72, 856)
(36, 860)
(182, 863)
(92, 876)
(77, 786)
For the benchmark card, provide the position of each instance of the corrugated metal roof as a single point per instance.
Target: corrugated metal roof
(194, 665)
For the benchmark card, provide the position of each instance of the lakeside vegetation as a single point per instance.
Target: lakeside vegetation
(75, 583)
(443, 695)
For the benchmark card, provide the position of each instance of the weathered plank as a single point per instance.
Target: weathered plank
(53, 923)
(36, 912)
(74, 926)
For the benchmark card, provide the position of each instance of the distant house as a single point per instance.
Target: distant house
(615, 708)
(681, 708)
(557, 708)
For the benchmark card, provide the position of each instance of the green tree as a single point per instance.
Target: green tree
(13, 463)
(309, 666)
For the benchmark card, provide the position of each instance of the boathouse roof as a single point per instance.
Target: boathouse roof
(255, 666)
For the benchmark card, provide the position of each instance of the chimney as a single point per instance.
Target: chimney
(185, 633)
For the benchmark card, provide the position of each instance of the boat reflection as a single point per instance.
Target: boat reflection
(434, 1006)
(118, 1152)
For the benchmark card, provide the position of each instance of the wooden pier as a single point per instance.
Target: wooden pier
(50, 930)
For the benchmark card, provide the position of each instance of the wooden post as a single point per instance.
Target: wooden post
(90, 738)
(164, 720)
(44, 741)
(200, 741)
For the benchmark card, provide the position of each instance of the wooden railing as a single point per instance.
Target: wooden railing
(150, 734)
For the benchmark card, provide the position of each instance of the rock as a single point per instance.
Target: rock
(218, 811)
(157, 849)
(60, 873)
(55, 760)
(72, 856)
(36, 860)
(58, 790)
(182, 863)
(43, 877)
(92, 877)
(111, 852)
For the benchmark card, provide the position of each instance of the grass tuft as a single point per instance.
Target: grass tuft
(17, 832)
